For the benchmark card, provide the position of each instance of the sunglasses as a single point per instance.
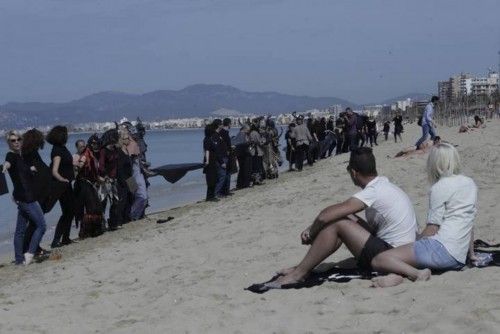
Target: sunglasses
(17, 140)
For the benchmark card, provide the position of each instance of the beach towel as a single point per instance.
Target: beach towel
(335, 274)
(174, 172)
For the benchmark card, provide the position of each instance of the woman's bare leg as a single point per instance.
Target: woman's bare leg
(401, 261)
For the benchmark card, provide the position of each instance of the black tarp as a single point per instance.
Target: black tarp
(174, 172)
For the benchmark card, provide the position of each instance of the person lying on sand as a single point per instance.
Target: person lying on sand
(390, 221)
(424, 148)
(448, 236)
(464, 128)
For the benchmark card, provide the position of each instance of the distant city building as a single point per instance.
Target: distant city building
(466, 85)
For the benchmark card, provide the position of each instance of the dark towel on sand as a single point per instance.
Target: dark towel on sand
(335, 274)
(174, 172)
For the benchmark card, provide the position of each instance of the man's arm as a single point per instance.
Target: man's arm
(333, 213)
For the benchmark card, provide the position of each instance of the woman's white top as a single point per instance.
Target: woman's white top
(452, 206)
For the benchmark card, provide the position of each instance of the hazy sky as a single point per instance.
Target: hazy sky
(364, 51)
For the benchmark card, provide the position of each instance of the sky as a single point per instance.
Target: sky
(363, 51)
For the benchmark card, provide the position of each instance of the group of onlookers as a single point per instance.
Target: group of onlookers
(107, 171)
(253, 154)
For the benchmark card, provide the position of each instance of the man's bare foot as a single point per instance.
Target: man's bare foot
(286, 271)
(424, 275)
(387, 281)
(290, 278)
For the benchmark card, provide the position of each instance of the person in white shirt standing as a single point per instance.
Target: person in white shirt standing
(428, 125)
(390, 221)
(448, 236)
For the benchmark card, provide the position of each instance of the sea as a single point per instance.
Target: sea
(164, 147)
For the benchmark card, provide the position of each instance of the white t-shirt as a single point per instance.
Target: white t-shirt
(452, 206)
(389, 211)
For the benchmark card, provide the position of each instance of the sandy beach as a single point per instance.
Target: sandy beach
(189, 275)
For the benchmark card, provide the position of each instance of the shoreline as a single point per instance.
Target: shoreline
(188, 275)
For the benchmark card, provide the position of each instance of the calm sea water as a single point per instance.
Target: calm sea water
(164, 147)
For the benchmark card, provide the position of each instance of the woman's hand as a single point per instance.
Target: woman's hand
(6, 166)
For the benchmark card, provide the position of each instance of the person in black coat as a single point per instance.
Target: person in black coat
(62, 171)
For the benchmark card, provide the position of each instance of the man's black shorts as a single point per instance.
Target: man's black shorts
(372, 248)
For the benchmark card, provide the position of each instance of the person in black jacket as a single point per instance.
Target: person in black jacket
(210, 162)
(62, 170)
(231, 159)
(28, 207)
(33, 141)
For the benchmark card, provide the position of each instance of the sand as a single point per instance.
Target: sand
(189, 275)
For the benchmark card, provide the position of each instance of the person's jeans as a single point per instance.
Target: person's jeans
(221, 178)
(426, 130)
(28, 212)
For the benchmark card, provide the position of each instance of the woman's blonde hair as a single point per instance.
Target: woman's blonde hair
(443, 161)
(11, 133)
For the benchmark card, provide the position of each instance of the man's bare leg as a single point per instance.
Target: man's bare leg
(326, 243)
(287, 271)
(400, 261)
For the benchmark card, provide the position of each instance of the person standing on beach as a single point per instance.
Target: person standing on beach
(290, 147)
(62, 171)
(256, 142)
(352, 130)
(222, 157)
(224, 133)
(388, 224)
(398, 126)
(241, 143)
(210, 163)
(300, 133)
(29, 210)
(387, 128)
(428, 125)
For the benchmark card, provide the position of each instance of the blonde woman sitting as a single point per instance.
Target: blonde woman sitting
(448, 236)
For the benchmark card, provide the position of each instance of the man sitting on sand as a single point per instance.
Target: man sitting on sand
(390, 221)
(424, 148)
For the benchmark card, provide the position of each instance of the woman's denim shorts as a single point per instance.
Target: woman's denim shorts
(430, 253)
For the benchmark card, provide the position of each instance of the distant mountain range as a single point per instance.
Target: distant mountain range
(199, 100)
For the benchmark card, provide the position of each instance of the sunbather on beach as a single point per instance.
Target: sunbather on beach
(390, 221)
(424, 148)
(448, 236)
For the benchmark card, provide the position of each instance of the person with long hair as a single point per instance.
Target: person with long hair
(33, 141)
(89, 211)
(62, 171)
(448, 236)
(110, 161)
(28, 209)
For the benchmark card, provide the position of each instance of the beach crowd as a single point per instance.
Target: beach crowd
(254, 153)
(111, 171)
